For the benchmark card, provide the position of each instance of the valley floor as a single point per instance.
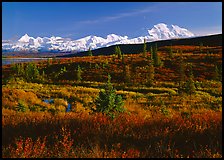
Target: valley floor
(158, 120)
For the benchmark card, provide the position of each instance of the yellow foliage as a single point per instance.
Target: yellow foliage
(80, 108)
(60, 102)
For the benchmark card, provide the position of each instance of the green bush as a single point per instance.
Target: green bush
(60, 73)
(35, 108)
(22, 107)
(53, 111)
(216, 103)
(150, 98)
(165, 111)
(185, 114)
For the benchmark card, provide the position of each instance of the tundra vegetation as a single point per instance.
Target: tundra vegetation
(161, 103)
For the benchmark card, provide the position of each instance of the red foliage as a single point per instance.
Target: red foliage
(127, 136)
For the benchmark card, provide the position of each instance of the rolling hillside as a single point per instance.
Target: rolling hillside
(213, 40)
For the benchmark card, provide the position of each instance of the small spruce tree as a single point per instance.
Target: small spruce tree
(200, 47)
(144, 48)
(216, 73)
(48, 62)
(190, 86)
(115, 51)
(156, 59)
(119, 54)
(19, 68)
(181, 74)
(151, 52)
(90, 52)
(108, 101)
(122, 59)
(127, 74)
(150, 74)
(31, 72)
(171, 52)
(79, 74)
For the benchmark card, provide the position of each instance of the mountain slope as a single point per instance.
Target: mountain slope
(160, 31)
(212, 40)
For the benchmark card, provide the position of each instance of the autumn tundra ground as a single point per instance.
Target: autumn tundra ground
(166, 102)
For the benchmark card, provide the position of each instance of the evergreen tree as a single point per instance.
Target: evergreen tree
(181, 54)
(156, 59)
(124, 67)
(208, 56)
(79, 74)
(151, 52)
(134, 74)
(119, 54)
(171, 52)
(14, 68)
(144, 48)
(31, 72)
(61, 72)
(181, 74)
(90, 52)
(48, 62)
(156, 48)
(190, 86)
(150, 74)
(108, 101)
(115, 51)
(122, 59)
(207, 53)
(200, 46)
(19, 68)
(190, 74)
(127, 74)
(216, 74)
(42, 77)
(22, 69)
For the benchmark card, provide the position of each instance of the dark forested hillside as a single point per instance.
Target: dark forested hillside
(213, 40)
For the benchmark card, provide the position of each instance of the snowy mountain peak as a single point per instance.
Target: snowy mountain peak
(159, 31)
(161, 26)
(114, 37)
(25, 39)
(162, 31)
(181, 31)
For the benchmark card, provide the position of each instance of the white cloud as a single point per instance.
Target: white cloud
(119, 16)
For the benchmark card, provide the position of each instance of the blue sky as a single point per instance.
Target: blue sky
(79, 19)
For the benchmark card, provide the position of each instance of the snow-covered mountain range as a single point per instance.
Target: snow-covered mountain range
(160, 31)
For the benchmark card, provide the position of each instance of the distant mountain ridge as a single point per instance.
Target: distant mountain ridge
(160, 31)
(211, 40)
